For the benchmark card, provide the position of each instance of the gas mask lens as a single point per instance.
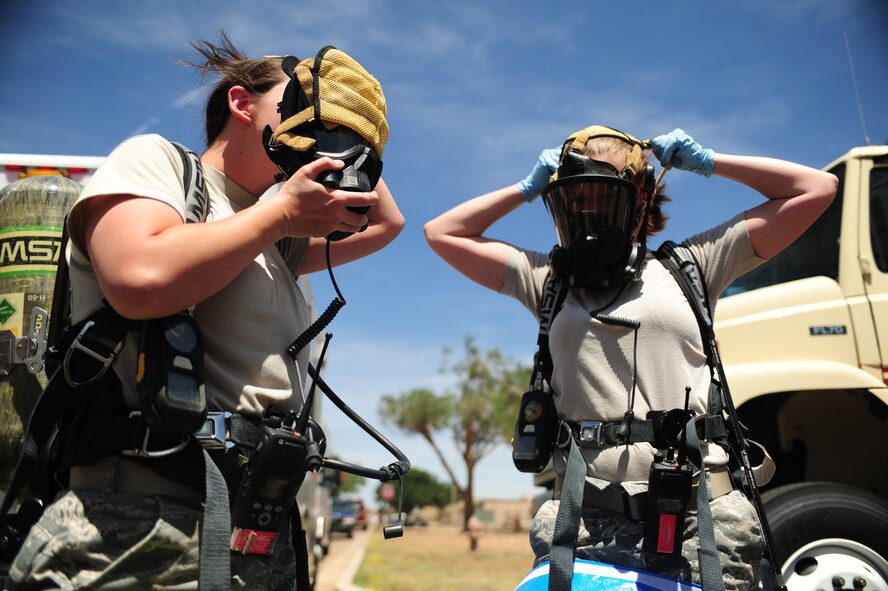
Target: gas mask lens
(593, 208)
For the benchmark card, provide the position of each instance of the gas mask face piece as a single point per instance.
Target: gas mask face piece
(596, 215)
(331, 107)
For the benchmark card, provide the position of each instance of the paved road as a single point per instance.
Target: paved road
(341, 562)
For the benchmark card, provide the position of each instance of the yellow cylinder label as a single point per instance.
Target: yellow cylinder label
(29, 250)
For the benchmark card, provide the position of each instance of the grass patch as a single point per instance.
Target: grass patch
(438, 559)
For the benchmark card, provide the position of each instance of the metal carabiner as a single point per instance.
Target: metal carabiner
(76, 345)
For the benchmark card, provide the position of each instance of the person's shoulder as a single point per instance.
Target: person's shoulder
(532, 257)
(146, 141)
(145, 149)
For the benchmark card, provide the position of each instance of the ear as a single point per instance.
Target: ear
(239, 104)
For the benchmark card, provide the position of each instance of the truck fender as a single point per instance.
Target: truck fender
(748, 381)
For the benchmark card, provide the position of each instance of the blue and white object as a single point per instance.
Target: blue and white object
(596, 576)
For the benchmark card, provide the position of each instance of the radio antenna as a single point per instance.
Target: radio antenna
(856, 93)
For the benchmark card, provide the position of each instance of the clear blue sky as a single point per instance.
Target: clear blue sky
(475, 90)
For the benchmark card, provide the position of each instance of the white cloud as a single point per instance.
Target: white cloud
(793, 11)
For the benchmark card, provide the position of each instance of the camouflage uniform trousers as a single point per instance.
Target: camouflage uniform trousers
(104, 540)
(611, 538)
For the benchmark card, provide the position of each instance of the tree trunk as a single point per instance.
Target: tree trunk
(428, 437)
(469, 495)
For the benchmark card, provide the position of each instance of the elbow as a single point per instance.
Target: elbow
(391, 229)
(139, 298)
(433, 232)
(831, 186)
(825, 192)
(398, 225)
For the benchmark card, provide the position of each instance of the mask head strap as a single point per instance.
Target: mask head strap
(634, 159)
(635, 162)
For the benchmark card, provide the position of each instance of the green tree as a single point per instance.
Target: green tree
(421, 489)
(477, 412)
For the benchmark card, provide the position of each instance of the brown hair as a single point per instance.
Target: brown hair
(258, 76)
(597, 147)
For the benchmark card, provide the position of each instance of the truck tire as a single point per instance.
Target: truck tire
(829, 536)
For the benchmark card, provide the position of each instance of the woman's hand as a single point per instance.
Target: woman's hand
(314, 210)
(679, 150)
(546, 166)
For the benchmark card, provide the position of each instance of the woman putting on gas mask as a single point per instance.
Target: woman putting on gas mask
(623, 360)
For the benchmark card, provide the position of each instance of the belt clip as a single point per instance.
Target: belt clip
(76, 345)
(589, 434)
(142, 452)
(212, 434)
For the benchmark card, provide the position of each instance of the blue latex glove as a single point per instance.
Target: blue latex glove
(679, 150)
(546, 166)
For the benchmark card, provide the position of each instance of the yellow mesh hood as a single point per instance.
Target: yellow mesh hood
(340, 92)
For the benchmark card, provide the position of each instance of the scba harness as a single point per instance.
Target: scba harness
(671, 482)
(80, 421)
(79, 417)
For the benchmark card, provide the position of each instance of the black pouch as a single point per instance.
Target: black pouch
(534, 432)
(169, 375)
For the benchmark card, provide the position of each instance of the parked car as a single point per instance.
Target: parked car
(345, 516)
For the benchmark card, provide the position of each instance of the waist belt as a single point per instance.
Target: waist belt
(130, 435)
(224, 430)
(634, 507)
(102, 435)
(127, 476)
(600, 434)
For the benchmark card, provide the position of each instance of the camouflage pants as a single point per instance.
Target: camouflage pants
(613, 539)
(104, 540)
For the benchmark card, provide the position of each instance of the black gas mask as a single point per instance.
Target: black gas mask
(331, 107)
(596, 214)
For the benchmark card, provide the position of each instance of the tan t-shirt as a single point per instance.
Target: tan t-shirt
(593, 361)
(246, 326)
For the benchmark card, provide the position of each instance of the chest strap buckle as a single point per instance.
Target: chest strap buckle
(214, 432)
(590, 434)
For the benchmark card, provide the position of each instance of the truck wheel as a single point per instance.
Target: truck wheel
(829, 536)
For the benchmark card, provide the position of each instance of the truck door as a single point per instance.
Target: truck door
(874, 256)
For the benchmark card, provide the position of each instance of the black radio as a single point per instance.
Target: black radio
(669, 490)
(269, 485)
(670, 482)
(534, 431)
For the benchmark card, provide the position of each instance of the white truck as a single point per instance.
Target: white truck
(804, 340)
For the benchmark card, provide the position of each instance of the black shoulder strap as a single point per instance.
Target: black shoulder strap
(554, 293)
(681, 262)
(196, 199)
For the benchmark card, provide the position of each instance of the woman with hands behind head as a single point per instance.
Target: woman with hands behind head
(604, 205)
(127, 521)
